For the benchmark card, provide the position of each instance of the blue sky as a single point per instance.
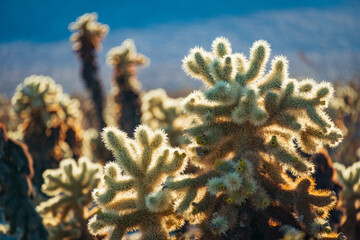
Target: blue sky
(47, 20)
(320, 37)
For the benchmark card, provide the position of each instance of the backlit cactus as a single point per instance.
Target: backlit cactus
(350, 177)
(244, 141)
(86, 41)
(161, 111)
(51, 126)
(72, 119)
(345, 110)
(129, 195)
(70, 188)
(126, 92)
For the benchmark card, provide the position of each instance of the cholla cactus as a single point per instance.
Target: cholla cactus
(51, 122)
(244, 140)
(16, 190)
(161, 111)
(72, 119)
(132, 200)
(70, 188)
(86, 40)
(345, 108)
(350, 177)
(127, 100)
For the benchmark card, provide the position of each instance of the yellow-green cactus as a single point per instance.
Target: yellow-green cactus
(52, 123)
(161, 111)
(70, 188)
(129, 196)
(249, 120)
(126, 92)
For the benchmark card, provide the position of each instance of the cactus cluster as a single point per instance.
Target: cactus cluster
(248, 121)
(126, 92)
(94, 148)
(52, 122)
(250, 141)
(130, 195)
(325, 178)
(87, 37)
(69, 187)
(161, 111)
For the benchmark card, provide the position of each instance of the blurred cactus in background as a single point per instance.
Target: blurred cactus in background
(129, 196)
(161, 111)
(94, 148)
(73, 120)
(51, 123)
(7, 115)
(350, 177)
(16, 171)
(254, 180)
(345, 109)
(86, 41)
(66, 212)
(126, 90)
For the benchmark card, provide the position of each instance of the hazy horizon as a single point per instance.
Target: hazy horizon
(320, 38)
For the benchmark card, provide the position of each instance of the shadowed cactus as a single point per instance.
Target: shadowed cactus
(129, 196)
(86, 41)
(52, 123)
(126, 92)
(248, 120)
(16, 190)
(66, 212)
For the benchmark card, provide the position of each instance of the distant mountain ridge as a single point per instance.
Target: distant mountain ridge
(47, 21)
(320, 43)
